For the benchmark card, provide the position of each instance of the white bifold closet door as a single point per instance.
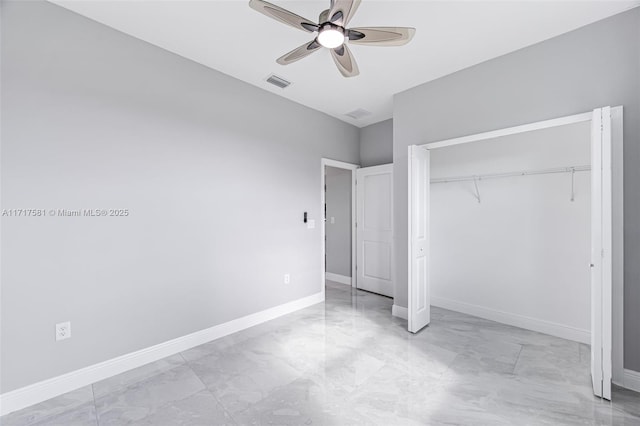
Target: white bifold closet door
(601, 253)
(374, 229)
(419, 304)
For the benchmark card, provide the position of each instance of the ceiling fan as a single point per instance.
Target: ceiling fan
(333, 34)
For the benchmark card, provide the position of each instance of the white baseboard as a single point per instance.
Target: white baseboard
(342, 279)
(47, 389)
(632, 380)
(400, 312)
(542, 326)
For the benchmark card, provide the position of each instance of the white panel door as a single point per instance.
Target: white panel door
(601, 260)
(374, 229)
(419, 314)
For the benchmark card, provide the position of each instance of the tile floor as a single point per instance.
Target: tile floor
(348, 362)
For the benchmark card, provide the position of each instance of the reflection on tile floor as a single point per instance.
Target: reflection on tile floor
(349, 362)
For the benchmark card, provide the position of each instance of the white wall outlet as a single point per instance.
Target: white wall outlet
(63, 330)
(333, 219)
(287, 278)
(311, 224)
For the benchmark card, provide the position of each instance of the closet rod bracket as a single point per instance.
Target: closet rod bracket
(475, 183)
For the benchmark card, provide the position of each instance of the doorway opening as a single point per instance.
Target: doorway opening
(604, 261)
(338, 206)
(357, 228)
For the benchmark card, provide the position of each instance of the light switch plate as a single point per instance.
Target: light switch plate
(311, 224)
(333, 219)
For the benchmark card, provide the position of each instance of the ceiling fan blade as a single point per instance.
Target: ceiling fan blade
(345, 61)
(283, 15)
(298, 53)
(381, 36)
(342, 11)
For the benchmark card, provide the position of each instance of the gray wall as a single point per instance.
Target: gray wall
(215, 187)
(594, 66)
(338, 199)
(376, 144)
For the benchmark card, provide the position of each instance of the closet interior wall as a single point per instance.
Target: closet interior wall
(510, 228)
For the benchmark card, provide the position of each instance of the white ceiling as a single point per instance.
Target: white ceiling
(451, 35)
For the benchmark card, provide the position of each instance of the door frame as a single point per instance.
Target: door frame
(614, 193)
(327, 162)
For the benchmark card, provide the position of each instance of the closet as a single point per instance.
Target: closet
(524, 226)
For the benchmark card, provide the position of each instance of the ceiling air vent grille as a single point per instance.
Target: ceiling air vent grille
(278, 81)
(358, 114)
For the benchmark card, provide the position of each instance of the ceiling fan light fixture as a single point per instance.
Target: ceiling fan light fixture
(334, 33)
(331, 36)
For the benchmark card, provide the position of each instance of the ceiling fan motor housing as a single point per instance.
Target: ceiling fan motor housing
(331, 35)
(330, 26)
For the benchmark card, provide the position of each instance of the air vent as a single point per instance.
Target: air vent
(278, 81)
(358, 114)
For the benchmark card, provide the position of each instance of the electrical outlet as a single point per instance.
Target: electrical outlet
(287, 278)
(63, 330)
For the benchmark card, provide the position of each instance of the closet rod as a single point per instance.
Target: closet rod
(570, 169)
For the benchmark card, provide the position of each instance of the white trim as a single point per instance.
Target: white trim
(410, 221)
(347, 166)
(617, 195)
(571, 119)
(47, 389)
(597, 254)
(339, 164)
(632, 380)
(516, 320)
(400, 312)
(354, 229)
(342, 279)
(381, 168)
(607, 261)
